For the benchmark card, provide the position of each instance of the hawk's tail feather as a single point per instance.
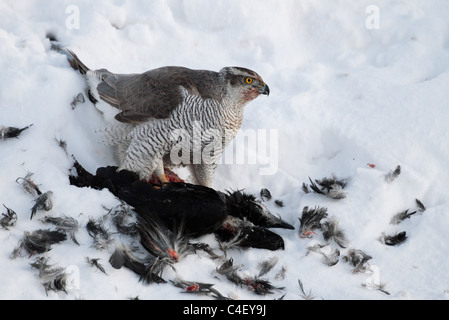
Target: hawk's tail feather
(76, 63)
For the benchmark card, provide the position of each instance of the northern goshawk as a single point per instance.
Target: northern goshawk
(173, 115)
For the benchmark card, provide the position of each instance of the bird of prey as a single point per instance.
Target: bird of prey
(173, 115)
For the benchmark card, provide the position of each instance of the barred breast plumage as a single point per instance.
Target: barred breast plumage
(173, 115)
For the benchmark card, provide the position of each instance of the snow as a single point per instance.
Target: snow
(343, 95)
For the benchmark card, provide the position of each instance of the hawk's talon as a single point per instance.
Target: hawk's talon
(162, 178)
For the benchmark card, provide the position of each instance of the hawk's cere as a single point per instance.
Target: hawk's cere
(158, 103)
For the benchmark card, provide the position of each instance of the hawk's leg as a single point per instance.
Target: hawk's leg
(145, 153)
(160, 172)
(203, 173)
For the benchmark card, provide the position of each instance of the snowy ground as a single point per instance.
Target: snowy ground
(347, 90)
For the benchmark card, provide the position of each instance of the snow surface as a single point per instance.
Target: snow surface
(342, 96)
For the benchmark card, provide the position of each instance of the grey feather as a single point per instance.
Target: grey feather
(267, 265)
(401, 216)
(420, 205)
(254, 284)
(358, 259)
(97, 230)
(311, 220)
(392, 175)
(52, 278)
(305, 295)
(28, 185)
(96, 264)
(8, 219)
(331, 230)
(393, 239)
(43, 202)
(65, 224)
(331, 187)
(38, 241)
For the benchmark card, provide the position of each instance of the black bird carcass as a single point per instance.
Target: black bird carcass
(234, 217)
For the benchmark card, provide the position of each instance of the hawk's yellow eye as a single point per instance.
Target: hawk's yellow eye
(249, 80)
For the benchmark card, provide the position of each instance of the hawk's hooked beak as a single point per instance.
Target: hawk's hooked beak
(265, 90)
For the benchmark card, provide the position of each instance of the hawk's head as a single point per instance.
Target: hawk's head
(243, 85)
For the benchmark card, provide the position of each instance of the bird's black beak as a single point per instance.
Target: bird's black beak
(265, 90)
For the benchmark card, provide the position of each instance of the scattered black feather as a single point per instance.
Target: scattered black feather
(95, 228)
(315, 248)
(8, 219)
(331, 230)
(420, 205)
(94, 263)
(100, 235)
(192, 287)
(230, 271)
(393, 240)
(198, 288)
(330, 258)
(281, 273)
(401, 216)
(52, 278)
(253, 284)
(265, 194)
(305, 188)
(11, 132)
(62, 144)
(392, 175)
(281, 297)
(315, 188)
(38, 241)
(330, 187)
(29, 185)
(380, 287)
(65, 224)
(358, 259)
(260, 286)
(267, 265)
(51, 37)
(279, 203)
(305, 295)
(206, 248)
(311, 220)
(43, 202)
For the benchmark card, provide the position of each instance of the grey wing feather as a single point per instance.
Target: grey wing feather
(153, 94)
(137, 98)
